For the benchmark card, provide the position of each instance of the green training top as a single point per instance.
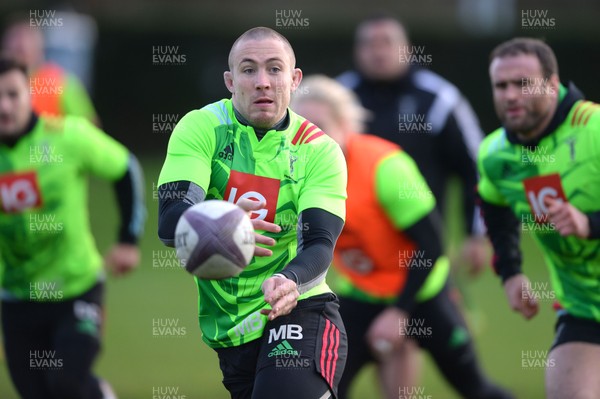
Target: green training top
(293, 169)
(564, 164)
(46, 247)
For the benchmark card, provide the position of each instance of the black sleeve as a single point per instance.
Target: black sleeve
(426, 235)
(130, 199)
(173, 199)
(503, 230)
(461, 138)
(318, 231)
(594, 219)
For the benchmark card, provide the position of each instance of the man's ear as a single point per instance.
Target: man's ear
(296, 78)
(228, 78)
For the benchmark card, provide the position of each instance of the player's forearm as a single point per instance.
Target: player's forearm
(315, 253)
(130, 199)
(426, 235)
(173, 199)
(503, 232)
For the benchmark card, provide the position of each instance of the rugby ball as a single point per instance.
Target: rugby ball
(214, 240)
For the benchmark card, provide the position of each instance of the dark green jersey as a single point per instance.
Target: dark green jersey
(46, 247)
(565, 165)
(293, 169)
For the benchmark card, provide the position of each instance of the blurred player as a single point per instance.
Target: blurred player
(389, 257)
(253, 147)
(53, 280)
(54, 91)
(422, 112)
(540, 171)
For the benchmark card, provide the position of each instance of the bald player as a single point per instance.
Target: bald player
(276, 327)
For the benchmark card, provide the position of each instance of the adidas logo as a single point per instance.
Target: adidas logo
(227, 153)
(284, 348)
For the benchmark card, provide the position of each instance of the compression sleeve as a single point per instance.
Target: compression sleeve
(173, 199)
(411, 208)
(503, 229)
(426, 235)
(130, 198)
(315, 248)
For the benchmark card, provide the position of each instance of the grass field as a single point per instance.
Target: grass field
(143, 365)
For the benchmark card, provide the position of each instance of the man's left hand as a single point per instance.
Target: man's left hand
(282, 294)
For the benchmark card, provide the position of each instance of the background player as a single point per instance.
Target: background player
(54, 91)
(53, 280)
(252, 146)
(389, 259)
(425, 114)
(519, 189)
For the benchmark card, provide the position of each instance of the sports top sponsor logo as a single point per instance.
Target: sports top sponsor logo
(19, 192)
(257, 188)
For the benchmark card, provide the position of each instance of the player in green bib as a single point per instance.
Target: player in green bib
(540, 173)
(53, 275)
(276, 327)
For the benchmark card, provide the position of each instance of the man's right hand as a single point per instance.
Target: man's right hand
(520, 297)
(249, 206)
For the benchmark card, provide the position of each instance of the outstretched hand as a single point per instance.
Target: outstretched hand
(259, 224)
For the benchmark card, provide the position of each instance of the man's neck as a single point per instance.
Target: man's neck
(260, 132)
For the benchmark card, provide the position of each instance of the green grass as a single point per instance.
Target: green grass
(136, 362)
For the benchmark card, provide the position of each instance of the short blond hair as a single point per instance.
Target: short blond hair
(344, 104)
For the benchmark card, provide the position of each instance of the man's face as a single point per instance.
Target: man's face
(25, 44)
(15, 102)
(261, 80)
(523, 98)
(377, 50)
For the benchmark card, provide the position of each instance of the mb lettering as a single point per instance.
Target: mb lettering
(413, 123)
(44, 359)
(285, 331)
(414, 55)
(167, 55)
(251, 323)
(167, 393)
(413, 259)
(290, 19)
(167, 327)
(536, 19)
(536, 359)
(414, 328)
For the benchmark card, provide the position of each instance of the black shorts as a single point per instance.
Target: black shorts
(574, 329)
(51, 346)
(301, 355)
